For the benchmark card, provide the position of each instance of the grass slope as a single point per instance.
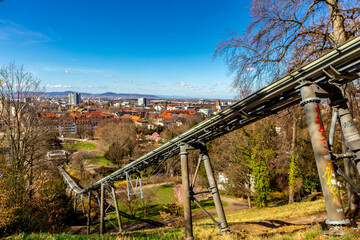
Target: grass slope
(203, 229)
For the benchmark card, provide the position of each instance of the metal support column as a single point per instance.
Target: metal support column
(82, 203)
(215, 192)
(102, 209)
(117, 209)
(334, 208)
(350, 139)
(350, 132)
(88, 214)
(186, 191)
(75, 201)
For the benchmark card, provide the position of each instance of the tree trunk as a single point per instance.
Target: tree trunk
(249, 200)
(339, 32)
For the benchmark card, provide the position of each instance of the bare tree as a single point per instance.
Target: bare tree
(284, 34)
(119, 137)
(18, 91)
(24, 136)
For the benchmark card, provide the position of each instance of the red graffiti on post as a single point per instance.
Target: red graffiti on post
(329, 175)
(321, 128)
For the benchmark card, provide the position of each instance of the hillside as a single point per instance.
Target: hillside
(110, 95)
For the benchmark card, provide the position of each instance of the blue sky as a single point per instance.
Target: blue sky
(161, 47)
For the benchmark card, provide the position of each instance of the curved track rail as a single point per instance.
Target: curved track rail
(277, 96)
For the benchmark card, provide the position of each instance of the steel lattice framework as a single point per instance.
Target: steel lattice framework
(285, 92)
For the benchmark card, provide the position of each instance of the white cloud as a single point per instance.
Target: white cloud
(10, 31)
(182, 83)
(192, 89)
(74, 69)
(68, 71)
(250, 69)
(106, 75)
(58, 86)
(96, 86)
(219, 83)
(129, 81)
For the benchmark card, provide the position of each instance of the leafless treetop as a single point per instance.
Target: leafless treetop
(285, 34)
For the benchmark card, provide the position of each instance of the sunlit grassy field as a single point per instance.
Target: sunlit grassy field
(204, 229)
(313, 232)
(78, 146)
(294, 210)
(101, 160)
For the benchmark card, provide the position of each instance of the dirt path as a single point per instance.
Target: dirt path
(272, 227)
(233, 205)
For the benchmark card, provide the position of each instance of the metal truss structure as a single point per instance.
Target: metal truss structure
(321, 78)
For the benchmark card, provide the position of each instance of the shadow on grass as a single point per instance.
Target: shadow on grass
(151, 222)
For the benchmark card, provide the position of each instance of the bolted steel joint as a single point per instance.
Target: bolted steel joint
(213, 190)
(226, 229)
(342, 222)
(190, 193)
(310, 100)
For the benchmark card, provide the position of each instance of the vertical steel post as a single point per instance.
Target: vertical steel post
(116, 208)
(88, 214)
(75, 199)
(350, 132)
(215, 192)
(320, 146)
(82, 203)
(186, 191)
(98, 197)
(102, 209)
(350, 136)
(334, 119)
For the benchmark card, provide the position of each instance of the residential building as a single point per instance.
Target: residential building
(142, 102)
(159, 108)
(74, 98)
(205, 111)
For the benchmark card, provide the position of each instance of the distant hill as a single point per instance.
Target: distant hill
(111, 95)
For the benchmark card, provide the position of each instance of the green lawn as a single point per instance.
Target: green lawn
(48, 236)
(86, 146)
(101, 160)
(164, 194)
(206, 233)
(172, 234)
(78, 146)
(161, 196)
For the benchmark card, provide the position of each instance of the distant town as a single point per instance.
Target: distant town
(78, 116)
